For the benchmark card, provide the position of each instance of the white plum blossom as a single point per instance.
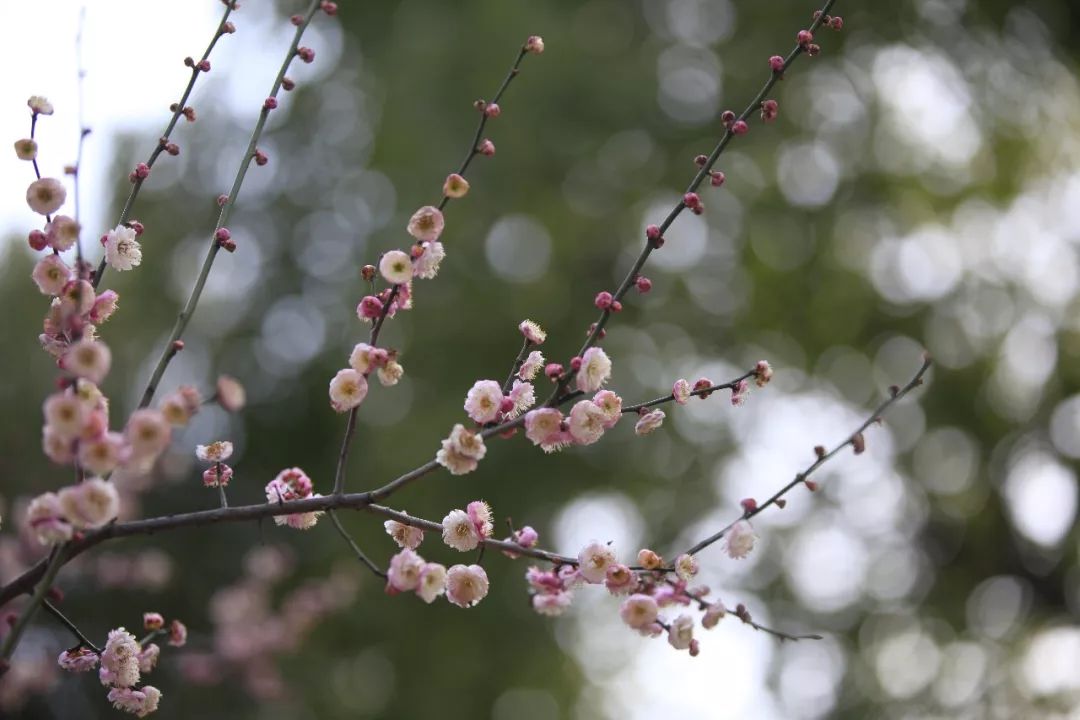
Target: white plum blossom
(594, 560)
(432, 582)
(405, 536)
(532, 365)
(740, 540)
(459, 531)
(649, 422)
(595, 370)
(396, 267)
(405, 570)
(122, 250)
(462, 451)
(466, 585)
(219, 451)
(90, 504)
(681, 633)
(681, 391)
(427, 265)
(347, 390)
(586, 422)
(523, 395)
(483, 401)
(639, 611)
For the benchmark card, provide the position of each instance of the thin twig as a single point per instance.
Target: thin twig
(49, 568)
(703, 172)
(55, 612)
(356, 548)
(801, 477)
(125, 213)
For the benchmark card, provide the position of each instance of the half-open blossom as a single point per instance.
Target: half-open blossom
(526, 537)
(426, 265)
(740, 540)
(405, 570)
(347, 390)
(595, 370)
(119, 660)
(360, 358)
(432, 582)
(290, 484)
(218, 451)
(177, 634)
(466, 585)
(681, 391)
(523, 397)
(739, 393)
(681, 633)
(686, 567)
(217, 475)
(26, 149)
(649, 422)
(91, 503)
(552, 604)
(426, 224)
(544, 427)
(763, 373)
(461, 452)
(455, 186)
(648, 559)
(713, 615)
(534, 45)
(638, 611)
(45, 196)
(532, 332)
(81, 659)
(483, 401)
(46, 520)
(230, 393)
(148, 433)
(594, 561)
(479, 513)
(153, 621)
(396, 267)
(405, 536)
(122, 250)
(586, 422)
(459, 531)
(40, 105)
(76, 298)
(51, 274)
(532, 365)
(88, 359)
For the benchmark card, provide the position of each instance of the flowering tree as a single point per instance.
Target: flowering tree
(546, 401)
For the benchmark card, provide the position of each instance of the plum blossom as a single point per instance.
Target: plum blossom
(455, 186)
(404, 535)
(611, 406)
(681, 391)
(88, 359)
(122, 250)
(81, 659)
(148, 433)
(119, 660)
(740, 540)
(713, 615)
(51, 274)
(523, 397)
(479, 513)
(594, 561)
(460, 532)
(45, 196)
(432, 582)
(681, 633)
(293, 484)
(552, 604)
(639, 611)
(595, 370)
(466, 585)
(586, 424)
(390, 373)
(46, 520)
(426, 224)
(139, 703)
(532, 365)
(426, 265)
(619, 580)
(347, 390)
(103, 452)
(462, 451)
(483, 401)
(686, 567)
(532, 332)
(90, 504)
(649, 422)
(396, 267)
(230, 393)
(405, 570)
(544, 427)
(218, 451)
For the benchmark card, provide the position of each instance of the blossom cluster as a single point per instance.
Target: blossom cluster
(293, 484)
(125, 660)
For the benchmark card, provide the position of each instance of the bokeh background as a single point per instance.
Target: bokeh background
(921, 189)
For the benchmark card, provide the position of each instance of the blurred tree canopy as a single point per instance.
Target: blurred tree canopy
(920, 189)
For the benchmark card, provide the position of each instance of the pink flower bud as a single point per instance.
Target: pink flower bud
(616, 306)
(492, 110)
(534, 45)
(288, 83)
(739, 127)
(486, 147)
(603, 300)
(260, 158)
(270, 103)
(716, 178)
(652, 232)
(553, 370)
(575, 363)
(203, 66)
(222, 199)
(643, 284)
(810, 485)
(297, 20)
(776, 63)
(228, 28)
(330, 8)
(38, 240)
(813, 50)
(748, 504)
(222, 234)
(172, 148)
(769, 110)
(142, 171)
(691, 200)
(837, 23)
(804, 38)
(700, 160)
(306, 54)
